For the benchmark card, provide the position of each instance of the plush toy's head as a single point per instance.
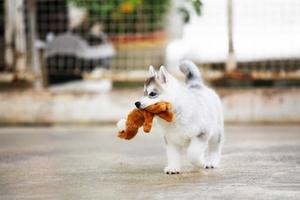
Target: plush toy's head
(129, 128)
(143, 117)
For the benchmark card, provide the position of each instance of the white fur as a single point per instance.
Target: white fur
(198, 123)
(121, 124)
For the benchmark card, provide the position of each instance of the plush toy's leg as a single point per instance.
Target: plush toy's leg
(127, 135)
(148, 121)
(168, 116)
(159, 107)
(122, 134)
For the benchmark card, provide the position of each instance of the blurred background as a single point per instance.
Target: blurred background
(76, 61)
(70, 69)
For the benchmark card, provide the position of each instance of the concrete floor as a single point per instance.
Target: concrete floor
(259, 162)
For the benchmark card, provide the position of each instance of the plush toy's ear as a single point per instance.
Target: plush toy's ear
(152, 71)
(163, 75)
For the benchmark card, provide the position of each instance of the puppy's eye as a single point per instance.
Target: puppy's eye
(152, 94)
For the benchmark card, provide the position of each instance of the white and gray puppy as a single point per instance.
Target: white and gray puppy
(198, 127)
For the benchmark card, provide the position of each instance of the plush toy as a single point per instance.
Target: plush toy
(143, 117)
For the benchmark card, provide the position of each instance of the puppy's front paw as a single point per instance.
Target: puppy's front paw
(210, 165)
(172, 170)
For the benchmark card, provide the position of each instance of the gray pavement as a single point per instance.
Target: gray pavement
(259, 162)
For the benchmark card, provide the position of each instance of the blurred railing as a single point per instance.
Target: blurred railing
(102, 39)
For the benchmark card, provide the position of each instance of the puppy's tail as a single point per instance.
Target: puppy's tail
(191, 72)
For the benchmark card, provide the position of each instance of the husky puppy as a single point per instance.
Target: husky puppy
(198, 127)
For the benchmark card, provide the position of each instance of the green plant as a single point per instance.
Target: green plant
(131, 16)
(126, 16)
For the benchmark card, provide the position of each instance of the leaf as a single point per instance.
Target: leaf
(135, 2)
(197, 4)
(185, 14)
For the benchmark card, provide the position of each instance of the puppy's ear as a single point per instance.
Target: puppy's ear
(163, 75)
(152, 71)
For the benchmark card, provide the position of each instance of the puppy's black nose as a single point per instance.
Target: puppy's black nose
(137, 104)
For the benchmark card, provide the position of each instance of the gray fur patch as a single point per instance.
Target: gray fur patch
(190, 75)
(220, 138)
(202, 135)
(151, 84)
(195, 86)
(149, 80)
(165, 140)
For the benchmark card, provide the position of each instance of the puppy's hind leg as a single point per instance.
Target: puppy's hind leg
(196, 150)
(214, 151)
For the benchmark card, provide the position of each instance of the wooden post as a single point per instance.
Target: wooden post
(35, 59)
(20, 36)
(9, 23)
(231, 61)
(15, 36)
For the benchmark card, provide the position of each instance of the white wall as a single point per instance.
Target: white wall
(263, 29)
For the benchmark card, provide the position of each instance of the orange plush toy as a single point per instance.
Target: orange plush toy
(144, 117)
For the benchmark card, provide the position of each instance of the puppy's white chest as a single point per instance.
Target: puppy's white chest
(174, 132)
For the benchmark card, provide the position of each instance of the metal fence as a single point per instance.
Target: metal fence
(119, 39)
